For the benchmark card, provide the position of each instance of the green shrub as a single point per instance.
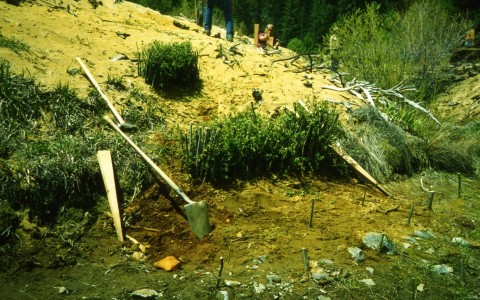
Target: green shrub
(297, 46)
(246, 145)
(413, 47)
(168, 66)
(48, 146)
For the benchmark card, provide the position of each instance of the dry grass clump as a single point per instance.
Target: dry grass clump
(455, 148)
(385, 149)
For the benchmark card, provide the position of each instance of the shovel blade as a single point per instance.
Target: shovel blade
(197, 214)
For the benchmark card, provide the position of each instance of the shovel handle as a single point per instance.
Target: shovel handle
(149, 161)
(97, 86)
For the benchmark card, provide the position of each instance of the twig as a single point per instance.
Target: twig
(423, 188)
(391, 209)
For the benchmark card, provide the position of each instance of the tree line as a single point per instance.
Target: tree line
(304, 22)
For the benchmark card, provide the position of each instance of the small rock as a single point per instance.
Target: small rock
(62, 290)
(369, 270)
(222, 295)
(232, 283)
(430, 251)
(368, 282)
(169, 263)
(424, 234)
(420, 287)
(327, 262)
(442, 269)
(461, 241)
(273, 279)
(319, 274)
(357, 254)
(258, 288)
(139, 256)
(144, 294)
(323, 298)
(261, 259)
(378, 241)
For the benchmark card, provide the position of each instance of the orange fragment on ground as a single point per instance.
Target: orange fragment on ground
(169, 263)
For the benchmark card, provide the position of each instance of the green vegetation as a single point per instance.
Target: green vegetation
(413, 48)
(48, 145)
(247, 145)
(13, 44)
(168, 66)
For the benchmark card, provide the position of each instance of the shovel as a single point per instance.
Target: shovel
(197, 212)
(121, 122)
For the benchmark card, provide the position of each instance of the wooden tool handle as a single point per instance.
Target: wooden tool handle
(95, 84)
(150, 162)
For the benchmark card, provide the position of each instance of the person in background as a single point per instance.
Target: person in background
(227, 6)
(470, 37)
(334, 48)
(267, 38)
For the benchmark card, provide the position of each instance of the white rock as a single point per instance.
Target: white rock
(442, 269)
(222, 295)
(258, 287)
(357, 254)
(232, 283)
(144, 294)
(368, 282)
(461, 241)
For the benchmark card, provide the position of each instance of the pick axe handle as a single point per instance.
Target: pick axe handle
(95, 84)
(150, 162)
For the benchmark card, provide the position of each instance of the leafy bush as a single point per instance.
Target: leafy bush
(168, 66)
(411, 48)
(247, 145)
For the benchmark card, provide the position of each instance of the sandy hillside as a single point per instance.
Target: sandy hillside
(97, 35)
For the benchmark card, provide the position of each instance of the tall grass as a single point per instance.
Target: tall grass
(14, 44)
(48, 145)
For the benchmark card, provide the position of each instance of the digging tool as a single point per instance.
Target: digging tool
(197, 212)
(121, 122)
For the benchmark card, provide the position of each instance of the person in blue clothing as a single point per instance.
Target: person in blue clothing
(227, 6)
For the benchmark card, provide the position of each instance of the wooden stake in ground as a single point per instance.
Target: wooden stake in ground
(256, 29)
(106, 167)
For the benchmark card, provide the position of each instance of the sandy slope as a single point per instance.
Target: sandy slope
(58, 37)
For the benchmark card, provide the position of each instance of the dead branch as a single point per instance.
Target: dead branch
(368, 89)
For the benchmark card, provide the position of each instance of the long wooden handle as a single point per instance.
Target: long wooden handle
(150, 162)
(95, 84)
(358, 167)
